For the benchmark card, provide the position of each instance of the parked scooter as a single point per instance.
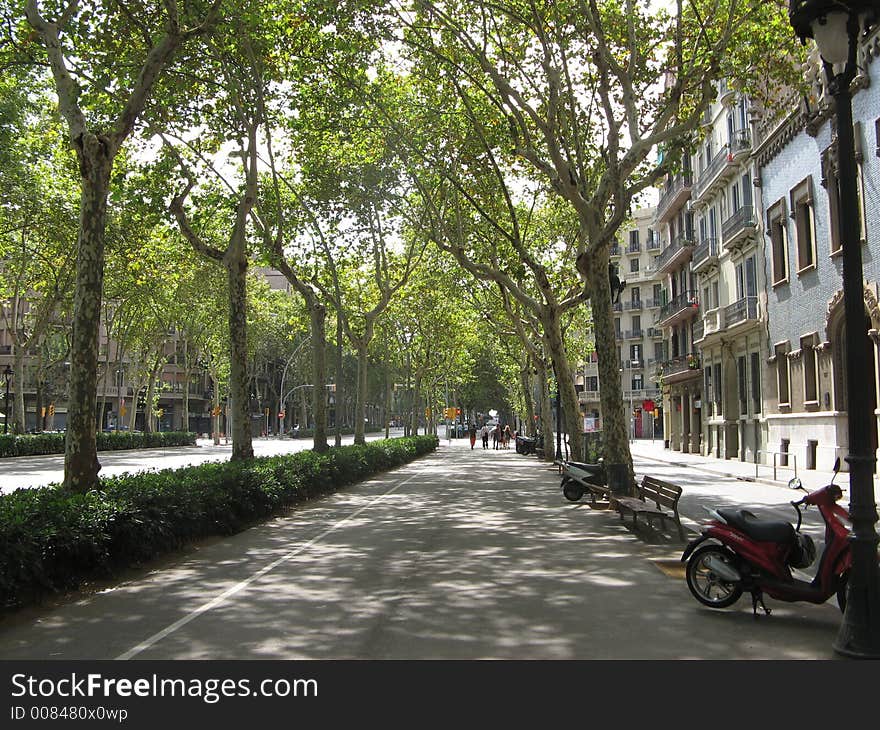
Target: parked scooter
(526, 444)
(739, 552)
(578, 475)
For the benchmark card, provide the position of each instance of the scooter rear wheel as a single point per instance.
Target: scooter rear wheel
(705, 585)
(572, 490)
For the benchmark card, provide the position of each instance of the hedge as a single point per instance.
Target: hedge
(52, 540)
(41, 444)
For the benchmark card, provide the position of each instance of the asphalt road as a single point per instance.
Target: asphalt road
(462, 555)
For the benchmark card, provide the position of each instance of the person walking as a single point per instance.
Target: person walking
(472, 432)
(484, 433)
(507, 436)
(496, 436)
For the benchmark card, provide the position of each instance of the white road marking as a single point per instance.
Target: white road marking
(238, 587)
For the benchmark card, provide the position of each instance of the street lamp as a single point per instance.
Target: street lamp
(835, 25)
(7, 375)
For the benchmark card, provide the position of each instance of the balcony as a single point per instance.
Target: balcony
(684, 306)
(617, 307)
(698, 330)
(634, 334)
(655, 333)
(633, 364)
(739, 227)
(713, 321)
(653, 303)
(614, 250)
(588, 396)
(676, 193)
(654, 243)
(742, 311)
(678, 252)
(740, 145)
(726, 93)
(711, 176)
(683, 367)
(641, 394)
(633, 306)
(705, 255)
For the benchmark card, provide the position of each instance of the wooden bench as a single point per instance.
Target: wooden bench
(654, 496)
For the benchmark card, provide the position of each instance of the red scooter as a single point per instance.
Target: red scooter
(739, 552)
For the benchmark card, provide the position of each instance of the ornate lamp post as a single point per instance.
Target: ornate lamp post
(836, 25)
(7, 375)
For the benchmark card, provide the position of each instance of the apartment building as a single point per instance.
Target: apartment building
(805, 393)
(729, 331)
(639, 341)
(679, 375)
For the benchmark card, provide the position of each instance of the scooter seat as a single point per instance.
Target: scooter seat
(756, 528)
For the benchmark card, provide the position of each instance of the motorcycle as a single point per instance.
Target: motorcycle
(577, 476)
(526, 444)
(737, 552)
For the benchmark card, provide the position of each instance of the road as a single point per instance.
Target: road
(35, 471)
(461, 555)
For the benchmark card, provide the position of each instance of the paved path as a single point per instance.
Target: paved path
(462, 554)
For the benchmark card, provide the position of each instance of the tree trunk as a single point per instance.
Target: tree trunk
(19, 421)
(565, 383)
(184, 423)
(340, 401)
(360, 396)
(525, 380)
(417, 384)
(615, 435)
(317, 318)
(149, 410)
(546, 414)
(236, 270)
(81, 463)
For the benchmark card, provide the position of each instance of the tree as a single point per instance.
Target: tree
(106, 59)
(587, 91)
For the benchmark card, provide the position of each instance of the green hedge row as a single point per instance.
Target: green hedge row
(41, 444)
(52, 540)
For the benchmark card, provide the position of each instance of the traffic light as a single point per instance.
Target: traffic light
(51, 409)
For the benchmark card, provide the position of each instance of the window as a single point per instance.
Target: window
(756, 382)
(877, 135)
(634, 240)
(778, 242)
(633, 265)
(831, 183)
(804, 224)
(635, 295)
(782, 374)
(657, 293)
(635, 353)
(707, 387)
(811, 370)
(658, 352)
(636, 324)
(718, 389)
(637, 382)
(592, 383)
(617, 326)
(742, 387)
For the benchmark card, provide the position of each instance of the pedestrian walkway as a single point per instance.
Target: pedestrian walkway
(741, 470)
(460, 555)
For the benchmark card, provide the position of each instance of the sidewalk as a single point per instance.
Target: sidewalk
(740, 470)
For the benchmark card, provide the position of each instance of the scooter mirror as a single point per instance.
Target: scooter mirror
(836, 465)
(795, 483)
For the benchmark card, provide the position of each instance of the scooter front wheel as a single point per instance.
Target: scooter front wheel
(705, 584)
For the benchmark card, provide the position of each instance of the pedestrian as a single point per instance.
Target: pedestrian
(472, 432)
(507, 436)
(484, 433)
(496, 436)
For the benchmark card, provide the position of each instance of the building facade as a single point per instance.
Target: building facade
(805, 383)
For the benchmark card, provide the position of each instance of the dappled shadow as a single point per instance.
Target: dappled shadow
(473, 554)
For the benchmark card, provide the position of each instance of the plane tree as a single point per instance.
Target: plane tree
(585, 92)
